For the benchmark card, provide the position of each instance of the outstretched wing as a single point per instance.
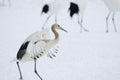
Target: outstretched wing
(41, 48)
(52, 52)
(37, 49)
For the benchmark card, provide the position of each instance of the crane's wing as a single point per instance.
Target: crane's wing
(38, 48)
(52, 52)
(45, 9)
(74, 9)
(43, 34)
(29, 45)
(22, 50)
(42, 47)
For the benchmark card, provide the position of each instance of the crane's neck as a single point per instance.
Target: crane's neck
(55, 34)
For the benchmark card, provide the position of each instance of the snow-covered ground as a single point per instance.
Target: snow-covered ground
(93, 55)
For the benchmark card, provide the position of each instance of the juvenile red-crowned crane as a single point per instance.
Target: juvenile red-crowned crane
(37, 45)
(78, 7)
(53, 8)
(113, 6)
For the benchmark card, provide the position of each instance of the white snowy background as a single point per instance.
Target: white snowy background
(93, 55)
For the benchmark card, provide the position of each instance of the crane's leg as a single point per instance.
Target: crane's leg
(21, 78)
(80, 23)
(46, 21)
(36, 70)
(113, 20)
(107, 21)
(83, 26)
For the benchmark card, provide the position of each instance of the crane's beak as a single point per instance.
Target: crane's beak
(63, 29)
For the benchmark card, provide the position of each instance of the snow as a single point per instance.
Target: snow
(92, 55)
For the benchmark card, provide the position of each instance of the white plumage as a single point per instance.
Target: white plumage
(56, 6)
(82, 6)
(113, 5)
(37, 45)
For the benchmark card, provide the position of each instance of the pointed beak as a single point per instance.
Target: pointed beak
(63, 29)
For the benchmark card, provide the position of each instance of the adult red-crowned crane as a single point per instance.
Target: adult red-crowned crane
(78, 7)
(36, 46)
(53, 8)
(113, 6)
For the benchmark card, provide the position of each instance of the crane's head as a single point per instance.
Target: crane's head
(57, 26)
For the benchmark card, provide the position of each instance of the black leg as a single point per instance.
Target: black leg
(113, 19)
(46, 21)
(80, 23)
(21, 78)
(36, 70)
(107, 21)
